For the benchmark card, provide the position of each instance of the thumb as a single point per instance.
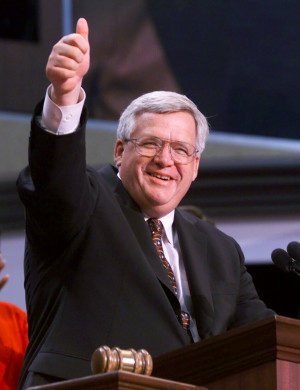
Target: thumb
(82, 28)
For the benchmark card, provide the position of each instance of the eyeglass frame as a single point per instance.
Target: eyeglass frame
(163, 142)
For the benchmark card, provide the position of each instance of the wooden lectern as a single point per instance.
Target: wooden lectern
(264, 355)
(118, 380)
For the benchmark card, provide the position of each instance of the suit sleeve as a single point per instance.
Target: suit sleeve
(249, 307)
(57, 193)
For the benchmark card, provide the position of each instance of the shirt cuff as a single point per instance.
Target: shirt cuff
(61, 120)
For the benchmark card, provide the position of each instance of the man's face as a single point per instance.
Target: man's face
(158, 184)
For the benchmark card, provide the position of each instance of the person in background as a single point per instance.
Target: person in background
(5, 278)
(197, 211)
(13, 339)
(110, 259)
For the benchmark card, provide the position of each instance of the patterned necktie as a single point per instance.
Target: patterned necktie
(156, 228)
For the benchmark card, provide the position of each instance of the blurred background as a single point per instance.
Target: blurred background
(238, 61)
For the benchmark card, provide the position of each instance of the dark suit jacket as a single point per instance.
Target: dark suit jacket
(92, 274)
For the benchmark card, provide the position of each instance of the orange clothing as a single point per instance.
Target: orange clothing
(13, 343)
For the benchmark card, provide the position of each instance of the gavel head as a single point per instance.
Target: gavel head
(105, 359)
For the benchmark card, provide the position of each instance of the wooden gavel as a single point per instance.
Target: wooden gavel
(105, 359)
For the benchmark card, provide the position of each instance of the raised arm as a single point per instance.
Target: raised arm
(67, 64)
(55, 188)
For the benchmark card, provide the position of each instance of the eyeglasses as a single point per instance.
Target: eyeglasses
(181, 152)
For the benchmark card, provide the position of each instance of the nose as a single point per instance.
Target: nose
(164, 156)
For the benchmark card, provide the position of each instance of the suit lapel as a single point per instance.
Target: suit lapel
(193, 247)
(139, 227)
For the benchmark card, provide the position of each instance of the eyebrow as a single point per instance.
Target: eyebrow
(164, 139)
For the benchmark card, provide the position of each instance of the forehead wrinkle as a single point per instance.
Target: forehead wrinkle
(152, 124)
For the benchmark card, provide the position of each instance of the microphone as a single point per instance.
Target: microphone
(285, 262)
(294, 250)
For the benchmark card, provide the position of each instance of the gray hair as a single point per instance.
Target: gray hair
(162, 102)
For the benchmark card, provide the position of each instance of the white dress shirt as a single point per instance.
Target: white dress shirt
(64, 120)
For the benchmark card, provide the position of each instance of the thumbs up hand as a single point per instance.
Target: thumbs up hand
(68, 62)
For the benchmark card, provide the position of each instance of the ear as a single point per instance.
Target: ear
(118, 152)
(196, 166)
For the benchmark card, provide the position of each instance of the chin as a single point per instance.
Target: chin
(159, 209)
(159, 202)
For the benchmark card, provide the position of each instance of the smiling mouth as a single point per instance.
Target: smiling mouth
(166, 178)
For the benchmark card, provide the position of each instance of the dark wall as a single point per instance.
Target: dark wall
(237, 60)
(19, 20)
(28, 31)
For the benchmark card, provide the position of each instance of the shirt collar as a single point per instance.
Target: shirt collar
(167, 221)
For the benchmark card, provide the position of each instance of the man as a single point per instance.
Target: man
(92, 273)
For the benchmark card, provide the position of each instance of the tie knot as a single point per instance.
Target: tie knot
(156, 226)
